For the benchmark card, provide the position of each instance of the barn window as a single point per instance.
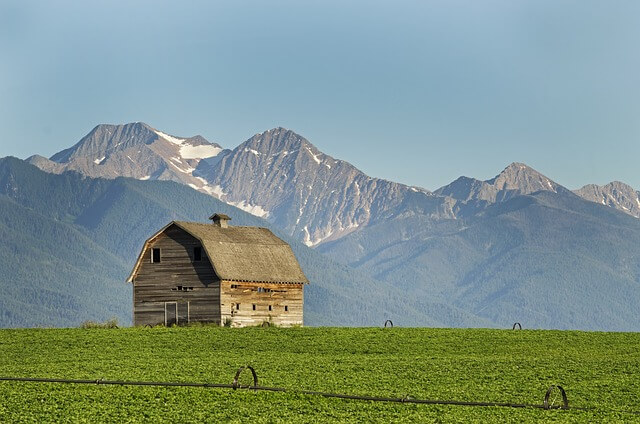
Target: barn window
(270, 307)
(155, 255)
(234, 286)
(286, 308)
(197, 254)
(254, 306)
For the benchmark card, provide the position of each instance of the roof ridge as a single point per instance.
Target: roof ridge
(208, 224)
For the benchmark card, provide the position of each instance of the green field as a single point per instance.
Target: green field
(598, 370)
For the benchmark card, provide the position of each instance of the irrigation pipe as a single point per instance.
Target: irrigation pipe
(547, 404)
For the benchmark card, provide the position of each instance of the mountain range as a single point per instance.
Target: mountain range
(277, 175)
(518, 247)
(281, 176)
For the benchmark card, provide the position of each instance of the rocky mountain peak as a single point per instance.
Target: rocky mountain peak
(616, 194)
(134, 150)
(620, 187)
(276, 140)
(280, 175)
(463, 188)
(523, 179)
(105, 138)
(516, 179)
(126, 128)
(281, 148)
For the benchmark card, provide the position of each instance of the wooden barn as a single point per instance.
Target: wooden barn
(216, 273)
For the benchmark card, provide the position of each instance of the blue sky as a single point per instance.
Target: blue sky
(416, 92)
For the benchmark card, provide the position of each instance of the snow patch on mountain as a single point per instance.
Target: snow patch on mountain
(255, 152)
(170, 138)
(315, 157)
(204, 151)
(188, 150)
(307, 236)
(252, 209)
(217, 192)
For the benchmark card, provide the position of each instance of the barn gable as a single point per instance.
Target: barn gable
(240, 253)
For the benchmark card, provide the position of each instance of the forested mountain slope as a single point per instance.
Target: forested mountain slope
(551, 260)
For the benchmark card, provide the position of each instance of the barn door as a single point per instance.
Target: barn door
(170, 313)
(183, 313)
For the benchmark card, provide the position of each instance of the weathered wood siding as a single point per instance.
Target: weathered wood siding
(262, 295)
(157, 283)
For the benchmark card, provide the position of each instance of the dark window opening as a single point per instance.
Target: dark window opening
(237, 306)
(254, 306)
(234, 286)
(197, 254)
(264, 290)
(155, 255)
(270, 307)
(182, 288)
(286, 308)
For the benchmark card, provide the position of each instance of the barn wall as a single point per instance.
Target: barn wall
(248, 294)
(156, 283)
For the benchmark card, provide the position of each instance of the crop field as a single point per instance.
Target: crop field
(600, 371)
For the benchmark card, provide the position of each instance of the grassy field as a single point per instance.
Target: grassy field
(598, 370)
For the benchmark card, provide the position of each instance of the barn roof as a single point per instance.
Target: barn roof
(241, 253)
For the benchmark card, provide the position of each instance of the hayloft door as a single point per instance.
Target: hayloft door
(170, 313)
